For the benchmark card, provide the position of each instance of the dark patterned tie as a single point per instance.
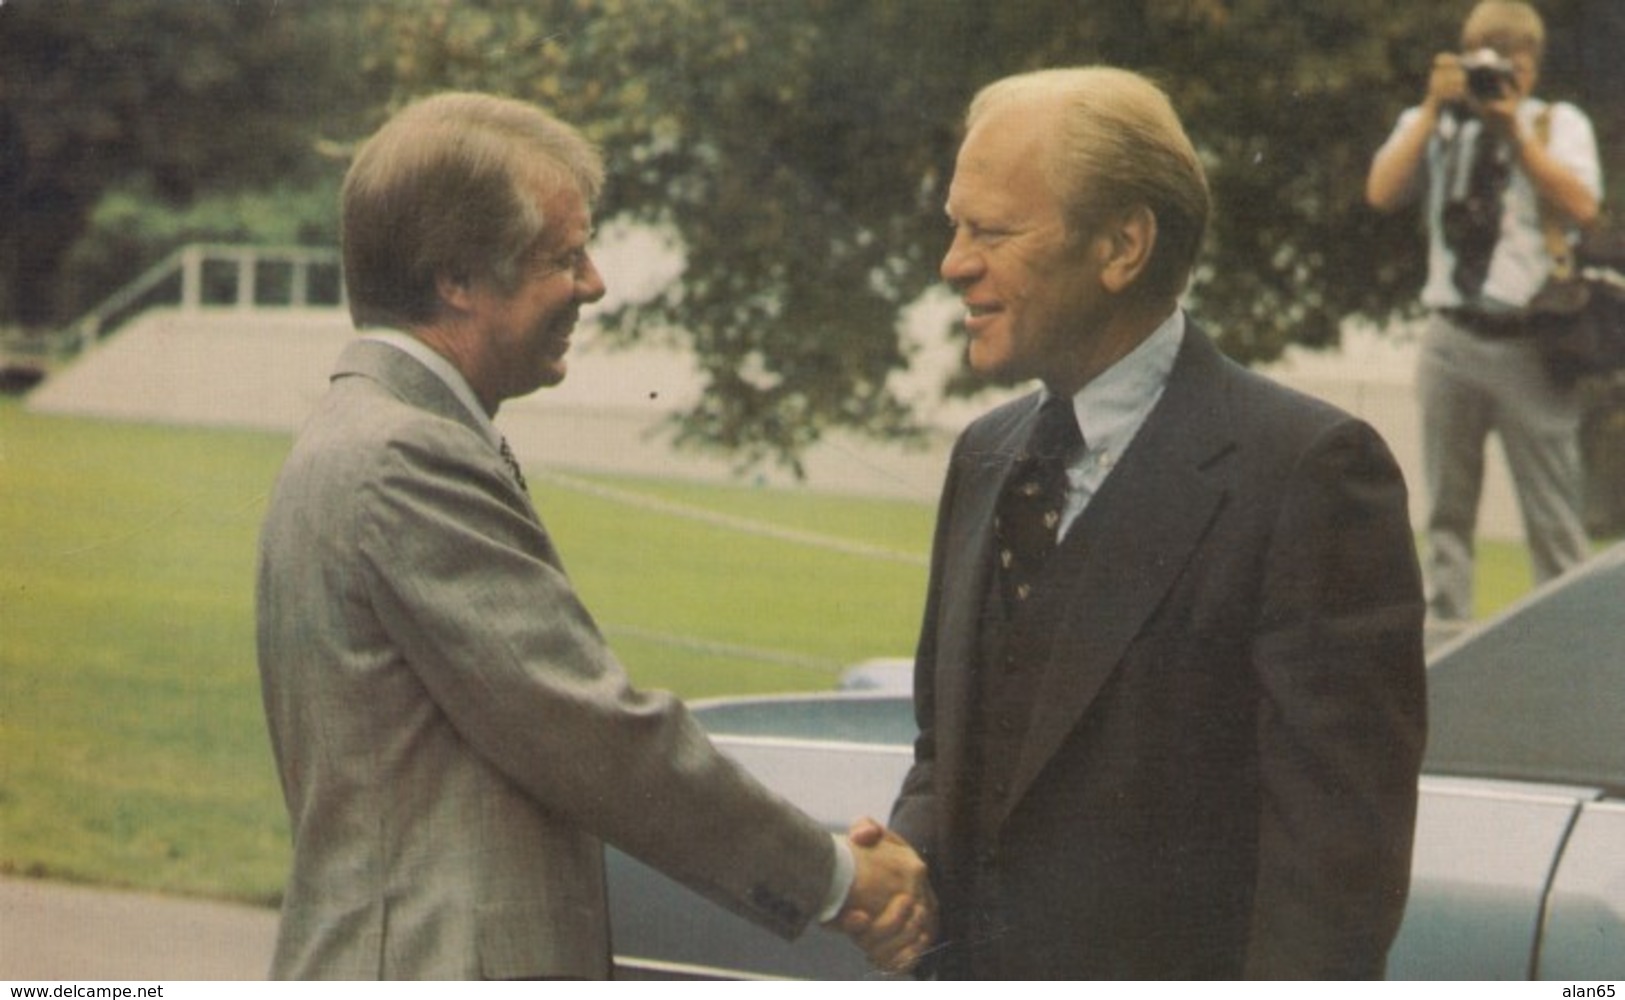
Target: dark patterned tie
(513, 464)
(1028, 515)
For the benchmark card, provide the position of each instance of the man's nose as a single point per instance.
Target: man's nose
(590, 285)
(963, 263)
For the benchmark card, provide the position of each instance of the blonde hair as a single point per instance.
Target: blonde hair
(1118, 145)
(445, 188)
(1507, 26)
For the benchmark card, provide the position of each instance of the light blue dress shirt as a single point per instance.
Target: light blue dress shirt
(1112, 408)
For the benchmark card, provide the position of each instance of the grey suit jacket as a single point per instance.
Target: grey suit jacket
(454, 738)
(1218, 776)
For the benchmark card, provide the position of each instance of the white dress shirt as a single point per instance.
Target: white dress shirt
(446, 372)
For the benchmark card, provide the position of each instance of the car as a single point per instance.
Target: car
(1519, 867)
(883, 673)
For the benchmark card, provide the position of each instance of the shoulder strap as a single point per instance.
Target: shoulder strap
(1557, 244)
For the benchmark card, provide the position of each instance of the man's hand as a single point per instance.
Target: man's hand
(1447, 84)
(1447, 87)
(1501, 113)
(891, 912)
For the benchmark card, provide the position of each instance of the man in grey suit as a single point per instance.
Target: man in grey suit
(1169, 684)
(454, 739)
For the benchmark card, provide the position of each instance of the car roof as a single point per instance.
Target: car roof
(1538, 692)
(872, 717)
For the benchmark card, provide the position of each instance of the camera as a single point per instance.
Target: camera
(1489, 74)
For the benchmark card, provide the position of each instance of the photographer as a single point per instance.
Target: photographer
(1490, 158)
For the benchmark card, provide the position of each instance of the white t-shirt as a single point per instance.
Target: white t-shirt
(1520, 264)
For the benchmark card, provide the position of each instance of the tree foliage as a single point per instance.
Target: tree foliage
(797, 151)
(179, 99)
(800, 152)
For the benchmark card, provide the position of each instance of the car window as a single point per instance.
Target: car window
(852, 719)
(1538, 693)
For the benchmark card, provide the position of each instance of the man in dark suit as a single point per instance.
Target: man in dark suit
(454, 738)
(1169, 683)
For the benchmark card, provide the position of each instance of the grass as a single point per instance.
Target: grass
(802, 610)
(132, 746)
(132, 750)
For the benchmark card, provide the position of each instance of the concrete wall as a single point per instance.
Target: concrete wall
(213, 367)
(265, 368)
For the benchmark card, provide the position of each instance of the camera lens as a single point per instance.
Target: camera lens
(1485, 83)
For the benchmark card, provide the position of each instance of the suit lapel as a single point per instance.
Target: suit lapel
(968, 569)
(405, 377)
(416, 385)
(1130, 545)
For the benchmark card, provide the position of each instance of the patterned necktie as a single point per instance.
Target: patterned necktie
(1028, 515)
(513, 464)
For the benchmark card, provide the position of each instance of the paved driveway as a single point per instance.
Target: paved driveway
(52, 932)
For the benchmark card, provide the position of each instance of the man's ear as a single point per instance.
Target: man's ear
(455, 291)
(1133, 237)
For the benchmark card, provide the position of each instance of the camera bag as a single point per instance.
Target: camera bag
(1578, 315)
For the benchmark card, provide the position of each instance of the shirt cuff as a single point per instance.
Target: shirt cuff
(840, 880)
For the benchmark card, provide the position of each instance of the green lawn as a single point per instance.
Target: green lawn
(132, 747)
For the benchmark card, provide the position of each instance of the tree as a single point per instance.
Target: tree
(800, 151)
(797, 150)
(807, 220)
(174, 99)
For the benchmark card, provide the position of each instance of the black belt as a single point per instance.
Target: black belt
(1490, 326)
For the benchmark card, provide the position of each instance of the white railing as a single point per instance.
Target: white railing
(213, 275)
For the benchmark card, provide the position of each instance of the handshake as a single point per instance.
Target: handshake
(890, 911)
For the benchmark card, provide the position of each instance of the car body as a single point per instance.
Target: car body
(1519, 867)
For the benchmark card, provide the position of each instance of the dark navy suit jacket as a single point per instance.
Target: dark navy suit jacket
(1218, 777)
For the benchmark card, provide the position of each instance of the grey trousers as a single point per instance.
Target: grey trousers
(1470, 386)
